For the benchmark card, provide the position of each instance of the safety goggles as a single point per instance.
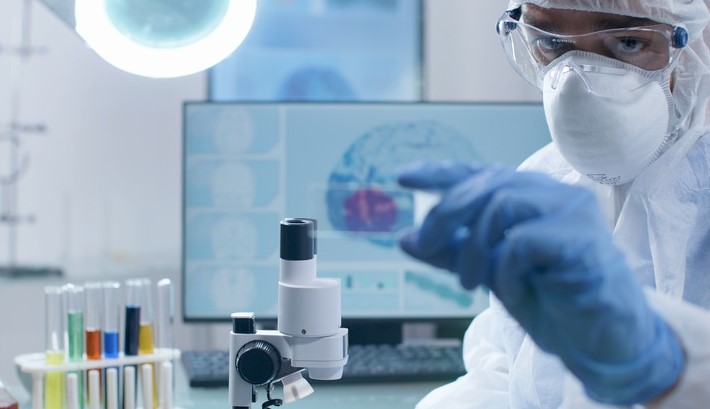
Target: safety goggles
(531, 50)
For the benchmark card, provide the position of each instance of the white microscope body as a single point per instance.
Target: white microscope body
(309, 335)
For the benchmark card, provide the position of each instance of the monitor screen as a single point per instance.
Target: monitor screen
(326, 50)
(247, 166)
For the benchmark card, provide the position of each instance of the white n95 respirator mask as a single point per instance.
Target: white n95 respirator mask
(610, 120)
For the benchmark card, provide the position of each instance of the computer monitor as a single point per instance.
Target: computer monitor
(247, 166)
(326, 50)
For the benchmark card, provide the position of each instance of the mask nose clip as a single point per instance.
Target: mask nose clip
(582, 71)
(568, 68)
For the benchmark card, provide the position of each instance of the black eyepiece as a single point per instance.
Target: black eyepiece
(297, 239)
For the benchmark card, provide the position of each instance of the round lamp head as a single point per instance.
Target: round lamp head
(164, 38)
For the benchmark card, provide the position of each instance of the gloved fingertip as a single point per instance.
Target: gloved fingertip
(467, 282)
(409, 174)
(468, 277)
(434, 175)
(409, 243)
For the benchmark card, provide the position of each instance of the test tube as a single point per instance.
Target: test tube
(112, 318)
(54, 346)
(93, 292)
(133, 316)
(74, 296)
(164, 322)
(130, 345)
(165, 313)
(146, 342)
(111, 325)
(92, 319)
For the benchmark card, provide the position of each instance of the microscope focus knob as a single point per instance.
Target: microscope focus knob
(258, 362)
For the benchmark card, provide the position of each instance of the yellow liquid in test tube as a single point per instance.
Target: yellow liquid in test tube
(54, 382)
(146, 346)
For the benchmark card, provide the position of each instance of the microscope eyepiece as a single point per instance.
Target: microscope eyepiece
(297, 239)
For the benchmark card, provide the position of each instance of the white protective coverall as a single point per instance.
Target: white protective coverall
(662, 222)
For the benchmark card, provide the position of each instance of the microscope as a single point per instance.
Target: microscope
(308, 336)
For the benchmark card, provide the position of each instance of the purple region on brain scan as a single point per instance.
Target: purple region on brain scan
(370, 210)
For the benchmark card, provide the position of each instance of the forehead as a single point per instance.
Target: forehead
(577, 21)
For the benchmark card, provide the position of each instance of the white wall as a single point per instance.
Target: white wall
(104, 184)
(104, 180)
(464, 57)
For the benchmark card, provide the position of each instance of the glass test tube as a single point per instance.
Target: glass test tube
(146, 342)
(111, 326)
(92, 319)
(93, 292)
(130, 344)
(54, 346)
(133, 316)
(164, 321)
(112, 318)
(74, 296)
(165, 313)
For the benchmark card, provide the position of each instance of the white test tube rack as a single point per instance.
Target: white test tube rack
(35, 365)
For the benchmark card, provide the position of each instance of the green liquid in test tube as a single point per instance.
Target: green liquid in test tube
(74, 296)
(54, 347)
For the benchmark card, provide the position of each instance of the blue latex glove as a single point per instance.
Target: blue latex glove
(543, 248)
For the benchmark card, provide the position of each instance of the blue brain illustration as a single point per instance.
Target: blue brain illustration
(363, 198)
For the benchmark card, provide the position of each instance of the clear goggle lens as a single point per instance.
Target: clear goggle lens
(531, 50)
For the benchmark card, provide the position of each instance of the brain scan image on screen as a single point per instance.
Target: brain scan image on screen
(233, 184)
(234, 131)
(363, 198)
(224, 284)
(222, 289)
(234, 238)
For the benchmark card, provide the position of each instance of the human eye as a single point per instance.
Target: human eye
(629, 45)
(549, 43)
(547, 48)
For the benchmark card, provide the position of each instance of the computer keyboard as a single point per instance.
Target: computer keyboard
(366, 363)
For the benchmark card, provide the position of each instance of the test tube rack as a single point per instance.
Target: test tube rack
(36, 366)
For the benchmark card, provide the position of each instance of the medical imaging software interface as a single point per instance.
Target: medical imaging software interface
(247, 166)
(372, 52)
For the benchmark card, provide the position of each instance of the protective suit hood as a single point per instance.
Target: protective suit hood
(691, 90)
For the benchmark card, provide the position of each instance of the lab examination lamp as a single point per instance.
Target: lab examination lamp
(159, 38)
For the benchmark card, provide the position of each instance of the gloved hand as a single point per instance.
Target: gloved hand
(543, 249)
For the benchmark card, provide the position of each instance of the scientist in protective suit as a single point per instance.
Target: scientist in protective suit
(597, 250)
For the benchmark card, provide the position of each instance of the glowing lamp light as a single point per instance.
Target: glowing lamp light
(139, 37)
